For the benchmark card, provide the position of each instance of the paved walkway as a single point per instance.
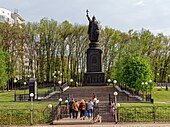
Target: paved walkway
(104, 125)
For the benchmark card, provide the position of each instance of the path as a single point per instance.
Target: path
(105, 125)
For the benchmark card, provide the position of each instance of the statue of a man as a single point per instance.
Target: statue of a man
(93, 29)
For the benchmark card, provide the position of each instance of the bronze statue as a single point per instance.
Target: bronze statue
(93, 29)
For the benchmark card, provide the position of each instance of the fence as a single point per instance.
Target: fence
(145, 97)
(26, 97)
(23, 116)
(144, 114)
(162, 84)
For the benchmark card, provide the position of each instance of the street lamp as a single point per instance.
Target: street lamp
(157, 74)
(60, 100)
(114, 81)
(15, 81)
(109, 80)
(143, 89)
(61, 75)
(97, 101)
(76, 84)
(54, 83)
(150, 84)
(146, 83)
(66, 101)
(50, 106)
(115, 94)
(24, 87)
(71, 80)
(59, 82)
(31, 95)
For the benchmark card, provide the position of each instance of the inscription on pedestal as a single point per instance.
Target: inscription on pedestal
(94, 60)
(94, 78)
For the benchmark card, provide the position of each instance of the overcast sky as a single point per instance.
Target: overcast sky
(117, 14)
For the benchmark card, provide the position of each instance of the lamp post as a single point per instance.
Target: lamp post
(95, 99)
(31, 95)
(115, 94)
(15, 81)
(114, 81)
(109, 80)
(59, 82)
(150, 85)
(146, 83)
(66, 101)
(143, 89)
(60, 100)
(24, 87)
(61, 75)
(54, 83)
(71, 80)
(146, 97)
(50, 106)
(157, 74)
(76, 84)
(67, 107)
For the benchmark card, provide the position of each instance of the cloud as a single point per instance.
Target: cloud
(140, 3)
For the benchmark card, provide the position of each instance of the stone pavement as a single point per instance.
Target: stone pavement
(102, 125)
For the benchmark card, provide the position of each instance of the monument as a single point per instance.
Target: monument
(94, 75)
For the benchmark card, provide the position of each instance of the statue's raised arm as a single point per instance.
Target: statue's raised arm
(93, 29)
(88, 16)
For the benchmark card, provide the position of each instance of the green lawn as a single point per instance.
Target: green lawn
(9, 95)
(161, 95)
(7, 100)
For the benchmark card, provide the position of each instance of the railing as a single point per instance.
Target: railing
(64, 87)
(144, 114)
(95, 111)
(60, 111)
(162, 84)
(145, 97)
(21, 97)
(25, 97)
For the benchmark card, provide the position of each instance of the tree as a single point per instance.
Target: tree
(135, 71)
(3, 69)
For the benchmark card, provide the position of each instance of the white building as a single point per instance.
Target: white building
(10, 17)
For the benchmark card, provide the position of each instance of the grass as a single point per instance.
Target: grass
(135, 112)
(161, 95)
(7, 100)
(9, 95)
(161, 98)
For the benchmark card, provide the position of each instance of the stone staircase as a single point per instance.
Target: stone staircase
(102, 94)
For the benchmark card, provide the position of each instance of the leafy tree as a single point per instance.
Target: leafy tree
(135, 71)
(3, 69)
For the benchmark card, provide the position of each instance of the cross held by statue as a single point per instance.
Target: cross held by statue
(87, 11)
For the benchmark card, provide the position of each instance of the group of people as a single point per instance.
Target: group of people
(85, 108)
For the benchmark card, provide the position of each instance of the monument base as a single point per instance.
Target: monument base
(94, 79)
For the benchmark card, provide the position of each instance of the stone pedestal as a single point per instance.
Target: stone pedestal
(94, 74)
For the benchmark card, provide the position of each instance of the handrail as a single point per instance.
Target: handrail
(60, 111)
